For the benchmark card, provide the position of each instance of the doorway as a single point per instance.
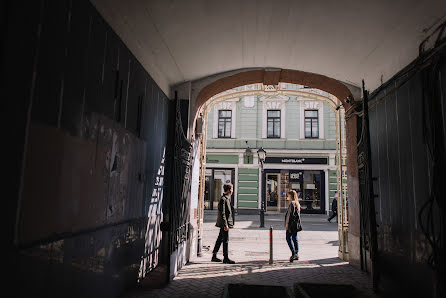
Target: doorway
(214, 181)
(272, 192)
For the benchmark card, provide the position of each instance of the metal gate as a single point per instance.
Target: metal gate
(179, 186)
(368, 236)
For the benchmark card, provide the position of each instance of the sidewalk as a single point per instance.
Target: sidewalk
(249, 247)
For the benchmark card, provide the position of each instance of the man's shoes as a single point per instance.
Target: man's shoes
(215, 259)
(328, 220)
(293, 256)
(296, 256)
(228, 261)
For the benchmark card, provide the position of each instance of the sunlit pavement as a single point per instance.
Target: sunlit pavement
(249, 248)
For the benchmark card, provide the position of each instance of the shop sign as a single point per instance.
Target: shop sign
(295, 176)
(295, 186)
(297, 160)
(311, 186)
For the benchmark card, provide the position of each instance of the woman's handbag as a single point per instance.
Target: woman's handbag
(295, 224)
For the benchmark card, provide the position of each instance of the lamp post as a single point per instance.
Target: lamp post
(262, 156)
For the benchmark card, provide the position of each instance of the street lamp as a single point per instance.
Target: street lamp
(261, 153)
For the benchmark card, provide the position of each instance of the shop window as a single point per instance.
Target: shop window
(273, 192)
(213, 188)
(311, 124)
(312, 191)
(273, 124)
(224, 123)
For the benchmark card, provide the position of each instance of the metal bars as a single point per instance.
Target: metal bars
(180, 185)
(368, 234)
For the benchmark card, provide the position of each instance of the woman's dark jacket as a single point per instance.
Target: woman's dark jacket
(291, 207)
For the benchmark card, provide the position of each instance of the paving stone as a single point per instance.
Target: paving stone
(249, 247)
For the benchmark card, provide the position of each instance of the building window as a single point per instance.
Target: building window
(311, 124)
(224, 123)
(273, 124)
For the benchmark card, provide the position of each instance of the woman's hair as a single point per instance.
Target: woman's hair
(293, 195)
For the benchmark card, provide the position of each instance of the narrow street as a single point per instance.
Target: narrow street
(249, 247)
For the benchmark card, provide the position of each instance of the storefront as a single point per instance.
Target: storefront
(307, 176)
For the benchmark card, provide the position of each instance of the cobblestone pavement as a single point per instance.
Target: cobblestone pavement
(249, 247)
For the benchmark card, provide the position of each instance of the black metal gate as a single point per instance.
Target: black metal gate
(368, 236)
(178, 190)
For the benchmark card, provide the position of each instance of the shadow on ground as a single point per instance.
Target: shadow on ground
(207, 282)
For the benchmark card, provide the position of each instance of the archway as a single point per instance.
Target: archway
(202, 90)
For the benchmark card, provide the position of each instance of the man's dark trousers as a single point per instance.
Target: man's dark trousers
(223, 236)
(335, 213)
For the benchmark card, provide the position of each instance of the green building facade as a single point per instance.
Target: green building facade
(300, 137)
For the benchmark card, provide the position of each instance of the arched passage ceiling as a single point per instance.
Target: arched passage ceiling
(178, 41)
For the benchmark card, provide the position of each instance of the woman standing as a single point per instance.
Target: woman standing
(292, 215)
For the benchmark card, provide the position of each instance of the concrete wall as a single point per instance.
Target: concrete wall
(403, 166)
(89, 137)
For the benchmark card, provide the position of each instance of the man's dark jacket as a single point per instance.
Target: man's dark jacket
(224, 217)
(334, 205)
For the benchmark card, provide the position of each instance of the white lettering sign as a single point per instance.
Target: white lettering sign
(295, 176)
(311, 186)
(295, 186)
(293, 160)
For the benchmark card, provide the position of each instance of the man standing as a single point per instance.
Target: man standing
(224, 222)
(334, 209)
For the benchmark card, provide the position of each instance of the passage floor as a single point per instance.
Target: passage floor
(249, 248)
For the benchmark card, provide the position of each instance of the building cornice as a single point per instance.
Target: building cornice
(273, 151)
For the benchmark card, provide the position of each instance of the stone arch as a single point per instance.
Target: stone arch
(273, 77)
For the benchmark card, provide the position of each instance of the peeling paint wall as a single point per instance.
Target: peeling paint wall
(89, 139)
(77, 183)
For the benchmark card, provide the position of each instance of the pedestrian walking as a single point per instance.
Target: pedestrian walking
(224, 222)
(346, 206)
(293, 225)
(334, 209)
